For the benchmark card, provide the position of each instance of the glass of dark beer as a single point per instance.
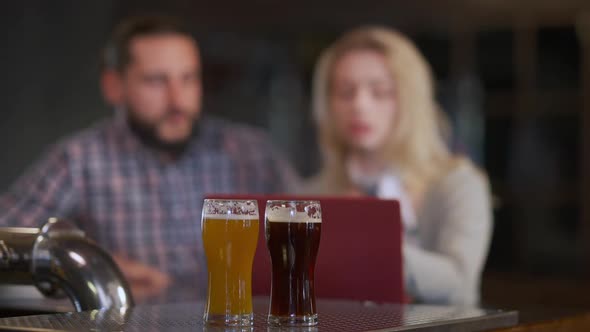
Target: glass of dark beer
(293, 237)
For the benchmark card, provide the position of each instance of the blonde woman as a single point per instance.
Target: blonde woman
(380, 134)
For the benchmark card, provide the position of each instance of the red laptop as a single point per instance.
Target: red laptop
(360, 249)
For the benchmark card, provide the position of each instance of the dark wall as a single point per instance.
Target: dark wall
(50, 68)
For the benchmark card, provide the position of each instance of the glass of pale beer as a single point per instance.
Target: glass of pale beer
(230, 235)
(293, 231)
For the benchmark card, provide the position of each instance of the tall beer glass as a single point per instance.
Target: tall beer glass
(293, 236)
(230, 235)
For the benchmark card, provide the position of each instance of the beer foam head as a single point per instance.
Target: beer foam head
(230, 209)
(230, 216)
(295, 212)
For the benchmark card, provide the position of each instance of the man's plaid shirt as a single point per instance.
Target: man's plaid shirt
(135, 204)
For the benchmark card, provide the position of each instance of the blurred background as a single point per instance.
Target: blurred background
(513, 76)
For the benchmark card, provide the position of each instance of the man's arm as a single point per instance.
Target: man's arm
(46, 190)
(145, 281)
(52, 188)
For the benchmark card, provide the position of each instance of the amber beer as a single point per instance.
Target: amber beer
(293, 236)
(230, 242)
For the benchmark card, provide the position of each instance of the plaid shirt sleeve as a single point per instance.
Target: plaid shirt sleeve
(288, 180)
(283, 178)
(44, 191)
(274, 171)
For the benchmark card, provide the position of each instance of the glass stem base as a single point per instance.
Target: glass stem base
(309, 320)
(228, 320)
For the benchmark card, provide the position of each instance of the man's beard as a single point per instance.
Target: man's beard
(148, 135)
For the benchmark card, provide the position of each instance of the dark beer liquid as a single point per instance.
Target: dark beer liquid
(293, 250)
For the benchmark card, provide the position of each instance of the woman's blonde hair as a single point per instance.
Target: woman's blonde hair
(416, 148)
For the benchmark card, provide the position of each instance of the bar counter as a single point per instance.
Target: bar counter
(334, 315)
